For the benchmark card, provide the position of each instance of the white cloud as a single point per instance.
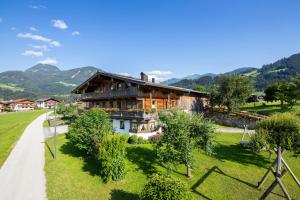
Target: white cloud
(52, 43)
(33, 37)
(37, 7)
(48, 61)
(58, 23)
(32, 53)
(33, 29)
(41, 47)
(1, 20)
(159, 75)
(75, 33)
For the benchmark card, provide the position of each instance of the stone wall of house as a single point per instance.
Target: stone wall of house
(231, 119)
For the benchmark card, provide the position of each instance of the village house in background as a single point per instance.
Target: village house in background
(21, 104)
(133, 103)
(46, 103)
(3, 105)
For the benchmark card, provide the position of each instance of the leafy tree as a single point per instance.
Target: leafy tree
(87, 131)
(200, 88)
(162, 187)
(270, 92)
(233, 90)
(214, 96)
(68, 111)
(182, 133)
(112, 157)
(283, 91)
(281, 129)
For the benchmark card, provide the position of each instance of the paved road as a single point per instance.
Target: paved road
(22, 176)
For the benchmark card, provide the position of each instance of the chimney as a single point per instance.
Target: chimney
(153, 80)
(144, 77)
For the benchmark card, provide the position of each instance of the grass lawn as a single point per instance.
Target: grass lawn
(268, 108)
(46, 124)
(232, 173)
(12, 126)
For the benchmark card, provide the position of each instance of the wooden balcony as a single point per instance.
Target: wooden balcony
(114, 94)
(125, 93)
(141, 115)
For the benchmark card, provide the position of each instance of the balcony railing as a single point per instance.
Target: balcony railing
(129, 92)
(134, 115)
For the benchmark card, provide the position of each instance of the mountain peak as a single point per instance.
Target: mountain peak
(43, 68)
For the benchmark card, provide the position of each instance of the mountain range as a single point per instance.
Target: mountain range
(44, 80)
(283, 69)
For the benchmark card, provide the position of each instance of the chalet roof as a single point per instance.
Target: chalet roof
(46, 99)
(137, 81)
(19, 100)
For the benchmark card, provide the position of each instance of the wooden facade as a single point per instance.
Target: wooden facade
(136, 100)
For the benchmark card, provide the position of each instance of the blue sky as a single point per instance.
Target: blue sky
(167, 38)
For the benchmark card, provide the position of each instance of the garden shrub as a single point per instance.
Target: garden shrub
(161, 187)
(69, 112)
(112, 157)
(141, 140)
(281, 129)
(153, 139)
(133, 139)
(87, 131)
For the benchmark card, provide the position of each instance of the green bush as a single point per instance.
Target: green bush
(154, 139)
(133, 139)
(141, 140)
(112, 157)
(69, 112)
(87, 131)
(162, 187)
(278, 130)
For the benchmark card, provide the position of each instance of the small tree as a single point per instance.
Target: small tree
(233, 90)
(283, 91)
(68, 111)
(112, 157)
(200, 88)
(162, 187)
(279, 132)
(182, 133)
(87, 131)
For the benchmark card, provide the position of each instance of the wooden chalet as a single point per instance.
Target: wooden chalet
(46, 103)
(133, 103)
(21, 104)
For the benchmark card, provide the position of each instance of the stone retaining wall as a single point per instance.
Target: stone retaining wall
(231, 119)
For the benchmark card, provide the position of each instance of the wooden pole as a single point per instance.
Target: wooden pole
(264, 178)
(54, 132)
(278, 170)
(290, 171)
(278, 176)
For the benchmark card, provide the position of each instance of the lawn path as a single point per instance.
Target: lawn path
(22, 175)
(231, 130)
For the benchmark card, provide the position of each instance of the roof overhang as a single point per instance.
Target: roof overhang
(137, 81)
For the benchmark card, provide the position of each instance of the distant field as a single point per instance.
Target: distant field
(268, 108)
(11, 87)
(231, 173)
(12, 126)
(66, 84)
